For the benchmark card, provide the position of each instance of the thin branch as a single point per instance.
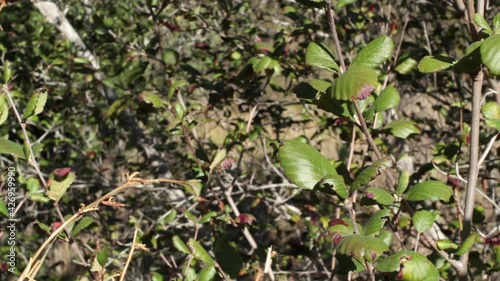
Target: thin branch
(335, 37)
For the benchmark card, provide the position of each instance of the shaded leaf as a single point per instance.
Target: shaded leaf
(82, 224)
(303, 164)
(318, 55)
(429, 190)
(387, 99)
(376, 222)
(490, 53)
(102, 257)
(375, 53)
(423, 220)
(353, 82)
(227, 256)
(199, 252)
(312, 3)
(370, 172)
(402, 128)
(3, 209)
(7, 71)
(430, 64)
(471, 62)
(404, 179)
(220, 155)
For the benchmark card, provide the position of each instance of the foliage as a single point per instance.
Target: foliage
(262, 140)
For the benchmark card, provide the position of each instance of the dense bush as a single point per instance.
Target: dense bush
(286, 140)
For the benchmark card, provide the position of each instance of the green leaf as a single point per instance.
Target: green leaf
(155, 276)
(318, 55)
(4, 110)
(207, 217)
(81, 60)
(429, 190)
(446, 244)
(375, 53)
(386, 236)
(170, 57)
(10, 147)
(423, 220)
(36, 103)
(320, 85)
(362, 247)
(380, 195)
(152, 98)
(430, 64)
(58, 187)
(220, 155)
(180, 245)
(490, 53)
(467, 244)
(199, 252)
(333, 184)
(207, 273)
(227, 256)
(82, 224)
(262, 64)
(481, 22)
(175, 84)
(376, 222)
(402, 128)
(353, 83)
(496, 23)
(191, 217)
(38, 197)
(342, 3)
(3, 209)
(387, 99)
(471, 62)
(491, 112)
(7, 72)
(102, 257)
(303, 164)
(414, 266)
(406, 66)
(404, 179)
(370, 172)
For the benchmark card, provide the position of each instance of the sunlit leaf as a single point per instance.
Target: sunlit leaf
(467, 244)
(381, 196)
(180, 245)
(402, 128)
(57, 187)
(375, 53)
(36, 103)
(423, 220)
(199, 252)
(430, 64)
(152, 98)
(490, 53)
(4, 110)
(10, 147)
(207, 273)
(414, 266)
(376, 222)
(354, 83)
(318, 55)
(362, 247)
(333, 184)
(481, 22)
(342, 3)
(429, 190)
(404, 179)
(303, 164)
